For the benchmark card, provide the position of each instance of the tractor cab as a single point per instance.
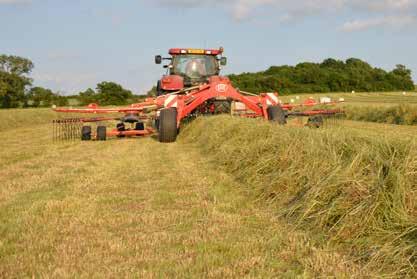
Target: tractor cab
(189, 67)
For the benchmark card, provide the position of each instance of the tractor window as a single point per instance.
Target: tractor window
(194, 66)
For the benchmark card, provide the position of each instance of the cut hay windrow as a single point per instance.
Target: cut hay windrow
(395, 114)
(357, 189)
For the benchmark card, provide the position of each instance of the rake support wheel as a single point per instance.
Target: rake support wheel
(140, 126)
(101, 133)
(315, 121)
(277, 114)
(86, 133)
(168, 125)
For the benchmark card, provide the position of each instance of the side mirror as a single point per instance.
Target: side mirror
(158, 59)
(223, 61)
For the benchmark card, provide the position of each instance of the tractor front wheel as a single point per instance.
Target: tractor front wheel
(168, 125)
(277, 114)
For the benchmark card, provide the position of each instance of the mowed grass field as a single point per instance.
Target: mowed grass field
(364, 99)
(140, 209)
(137, 208)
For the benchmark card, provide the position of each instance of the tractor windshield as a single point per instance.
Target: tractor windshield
(194, 66)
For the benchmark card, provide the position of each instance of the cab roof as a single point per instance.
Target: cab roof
(175, 51)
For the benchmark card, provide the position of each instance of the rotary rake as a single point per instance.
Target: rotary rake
(192, 87)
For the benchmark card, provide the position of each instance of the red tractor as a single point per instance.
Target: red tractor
(192, 87)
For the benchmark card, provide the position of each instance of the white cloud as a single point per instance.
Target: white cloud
(386, 5)
(68, 82)
(390, 21)
(374, 13)
(12, 2)
(62, 55)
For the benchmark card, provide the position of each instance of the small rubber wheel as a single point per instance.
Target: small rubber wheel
(139, 126)
(277, 114)
(168, 125)
(86, 133)
(101, 133)
(121, 127)
(315, 121)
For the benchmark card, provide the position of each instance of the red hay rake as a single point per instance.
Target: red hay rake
(184, 94)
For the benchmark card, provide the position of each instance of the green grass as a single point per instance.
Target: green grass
(232, 198)
(354, 186)
(395, 114)
(16, 118)
(138, 208)
(364, 99)
(390, 108)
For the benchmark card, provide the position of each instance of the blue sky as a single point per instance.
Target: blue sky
(75, 44)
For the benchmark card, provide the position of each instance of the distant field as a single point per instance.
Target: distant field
(364, 99)
(232, 198)
(387, 107)
(12, 118)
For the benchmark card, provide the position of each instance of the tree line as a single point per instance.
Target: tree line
(329, 76)
(106, 93)
(16, 88)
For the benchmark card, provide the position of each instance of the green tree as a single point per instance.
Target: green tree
(59, 100)
(42, 97)
(12, 89)
(15, 65)
(152, 92)
(88, 96)
(39, 96)
(107, 93)
(110, 93)
(329, 76)
(13, 80)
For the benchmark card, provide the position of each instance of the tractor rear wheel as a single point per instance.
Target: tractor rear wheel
(277, 114)
(86, 133)
(168, 125)
(101, 133)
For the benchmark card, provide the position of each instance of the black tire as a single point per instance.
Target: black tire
(101, 133)
(277, 114)
(139, 126)
(168, 125)
(121, 128)
(86, 133)
(315, 121)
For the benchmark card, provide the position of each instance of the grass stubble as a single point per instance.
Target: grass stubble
(137, 208)
(233, 198)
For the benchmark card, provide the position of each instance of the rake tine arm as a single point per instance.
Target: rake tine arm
(315, 112)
